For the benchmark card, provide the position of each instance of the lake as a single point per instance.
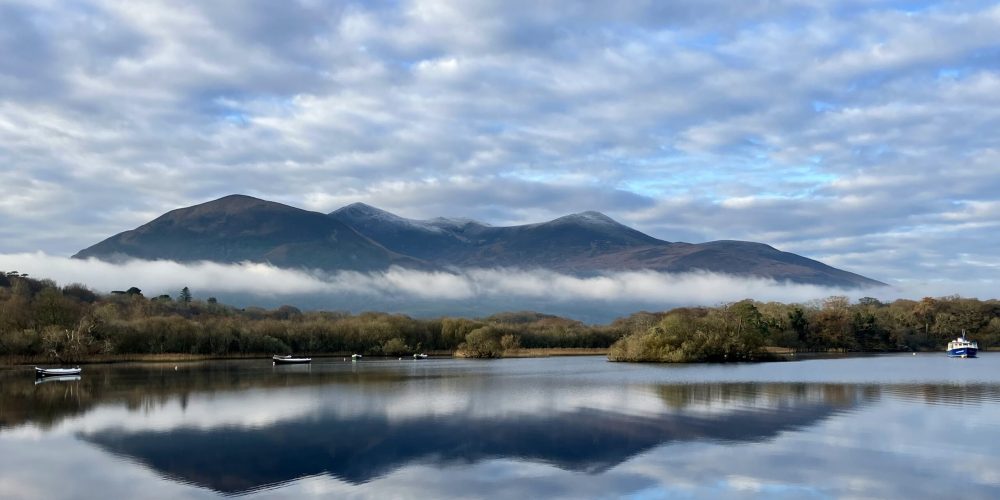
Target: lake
(891, 426)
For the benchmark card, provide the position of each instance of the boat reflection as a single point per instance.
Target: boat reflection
(57, 378)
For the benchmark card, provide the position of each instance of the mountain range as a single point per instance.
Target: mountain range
(360, 237)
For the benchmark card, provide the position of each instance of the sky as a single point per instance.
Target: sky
(858, 133)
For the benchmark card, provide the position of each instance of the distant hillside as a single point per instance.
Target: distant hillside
(364, 238)
(583, 243)
(241, 228)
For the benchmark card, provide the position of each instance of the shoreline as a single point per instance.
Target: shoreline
(15, 361)
(782, 354)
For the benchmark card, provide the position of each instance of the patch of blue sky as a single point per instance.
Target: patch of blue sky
(799, 188)
(239, 108)
(273, 102)
(678, 182)
(77, 9)
(652, 188)
(767, 179)
(984, 59)
(755, 147)
(874, 154)
(823, 106)
(685, 164)
(911, 7)
(540, 176)
(226, 109)
(490, 127)
(951, 73)
(701, 41)
(236, 118)
(870, 81)
(808, 174)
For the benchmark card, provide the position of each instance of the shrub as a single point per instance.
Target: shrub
(483, 342)
(395, 347)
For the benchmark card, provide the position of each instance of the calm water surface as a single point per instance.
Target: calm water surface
(896, 426)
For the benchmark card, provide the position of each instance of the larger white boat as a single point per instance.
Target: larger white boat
(962, 347)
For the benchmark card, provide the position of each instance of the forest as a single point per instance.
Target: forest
(40, 320)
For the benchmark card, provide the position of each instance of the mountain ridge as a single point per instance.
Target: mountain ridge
(240, 228)
(360, 237)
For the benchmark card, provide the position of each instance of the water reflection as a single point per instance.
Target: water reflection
(240, 427)
(947, 394)
(57, 379)
(357, 427)
(358, 448)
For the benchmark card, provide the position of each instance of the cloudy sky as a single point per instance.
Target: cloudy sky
(859, 133)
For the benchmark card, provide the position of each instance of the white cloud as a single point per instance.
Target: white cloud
(541, 288)
(163, 275)
(862, 122)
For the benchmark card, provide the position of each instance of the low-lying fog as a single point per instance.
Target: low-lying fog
(466, 292)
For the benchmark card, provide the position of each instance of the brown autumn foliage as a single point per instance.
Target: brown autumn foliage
(40, 320)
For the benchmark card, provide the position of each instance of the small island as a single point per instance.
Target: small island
(733, 332)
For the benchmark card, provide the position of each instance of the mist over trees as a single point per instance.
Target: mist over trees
(41, 321)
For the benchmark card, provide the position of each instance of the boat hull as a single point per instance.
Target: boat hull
(56, 372)
(962, 352)
(290, 361)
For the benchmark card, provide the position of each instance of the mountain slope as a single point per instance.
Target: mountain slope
(360, 237)
(437, 239)
(557, 244)
(585, 243)
(739, 258)
(241, 228)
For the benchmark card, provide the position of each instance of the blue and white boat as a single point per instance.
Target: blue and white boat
(962, 347)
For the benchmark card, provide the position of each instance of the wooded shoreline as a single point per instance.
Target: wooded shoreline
(317, 357)
(41, 322)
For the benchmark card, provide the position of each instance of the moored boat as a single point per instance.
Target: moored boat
(962, 347)
(289, 360)
(420, 356)
(57, 372)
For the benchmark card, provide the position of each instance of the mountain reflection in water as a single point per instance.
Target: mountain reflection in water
(357, 449)
(358, 446)
(240, 427)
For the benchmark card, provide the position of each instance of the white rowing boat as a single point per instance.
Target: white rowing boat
(289, 360)
(57, 372)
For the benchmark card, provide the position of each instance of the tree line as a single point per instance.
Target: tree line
(41, 320)
(741, 331)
